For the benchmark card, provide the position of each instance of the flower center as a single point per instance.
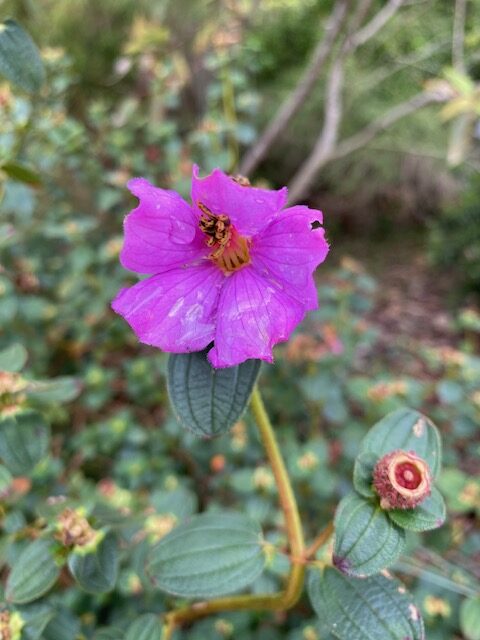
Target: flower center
(408, 475)
(230, 250)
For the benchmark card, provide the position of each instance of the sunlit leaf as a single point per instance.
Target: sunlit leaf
(20, 60)
(366, 540)
(212, 555)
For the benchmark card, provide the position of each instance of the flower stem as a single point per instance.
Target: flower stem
(293, 589)
(319, 541)
(288, 502)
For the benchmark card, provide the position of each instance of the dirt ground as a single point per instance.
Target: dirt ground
(415, 303)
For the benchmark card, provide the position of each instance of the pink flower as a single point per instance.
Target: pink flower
(234, 268)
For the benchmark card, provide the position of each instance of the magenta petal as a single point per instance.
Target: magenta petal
(288, 251)
(253, 315)
(250, 209)
(175, 310)
(161, 233)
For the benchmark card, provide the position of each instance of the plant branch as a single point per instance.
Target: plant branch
(302, 90)
(378, 21)
(288, 502)
(400, 64)
(289, 596)
(320, 540)
(458, 36)
(326, 143)
(384, 122)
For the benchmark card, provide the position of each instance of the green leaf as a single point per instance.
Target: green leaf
(460, 81)
(363, 474)
(210, 556)
(96, 569)
(13, 358)
(366, 540)
(180, 502)
(34, 573)
(20, 60)
(209, 401)
(108, 633)
(5, 479)
(408, 430)
(470, 618)
(430, 514)
(63, 626)
(21, 173)
(376, 608)
(24, 441)
(146, 627)
(55, 390)
(459, 489)
(36, 617)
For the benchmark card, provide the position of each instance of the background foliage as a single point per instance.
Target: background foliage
(145, 88)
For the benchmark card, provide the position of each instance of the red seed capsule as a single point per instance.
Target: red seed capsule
(402, 480)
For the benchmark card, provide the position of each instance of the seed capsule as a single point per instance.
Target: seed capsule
(402, 480)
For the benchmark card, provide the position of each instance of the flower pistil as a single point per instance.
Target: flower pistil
(230, 249)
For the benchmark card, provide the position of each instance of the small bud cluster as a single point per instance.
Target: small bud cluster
(11, 625)
(73, 529)
(11, 386)
(402, 480)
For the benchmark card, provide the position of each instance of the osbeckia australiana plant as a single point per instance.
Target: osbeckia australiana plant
(229, 276)
(233, 268)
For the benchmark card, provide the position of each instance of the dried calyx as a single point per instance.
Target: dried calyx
(402, 480)
(73, 529)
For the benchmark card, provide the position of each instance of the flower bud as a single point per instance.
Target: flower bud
(73, 529)
(11, 625)
(402, 480)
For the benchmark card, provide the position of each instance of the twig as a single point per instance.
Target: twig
(378, 21)
(365, 135)
(319, 541)
(458, 36)
(400, 64)
(326, 142)
(325, 145)
(295, 100)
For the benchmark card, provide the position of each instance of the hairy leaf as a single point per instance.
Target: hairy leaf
(408, 430)
(375, 608)
(366, 540)
(35, 572)
(209, 401)
(212, 555)
(20, 60)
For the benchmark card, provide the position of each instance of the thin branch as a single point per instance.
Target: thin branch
(319, 158)
(327, 139)
(458, 36)
(282, 600)
(300, 93)
(326, 142)
(363, 137)
(320, 540)
(400, 64)
(378, 21)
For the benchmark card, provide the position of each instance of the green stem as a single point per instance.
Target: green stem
(289, 596)
(288, 502)
(320, 540)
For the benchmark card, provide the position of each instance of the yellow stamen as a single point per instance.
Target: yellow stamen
(230, 249)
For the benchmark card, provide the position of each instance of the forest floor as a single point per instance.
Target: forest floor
(415, 304)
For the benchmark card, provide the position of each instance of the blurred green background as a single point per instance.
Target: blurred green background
(145, 88)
